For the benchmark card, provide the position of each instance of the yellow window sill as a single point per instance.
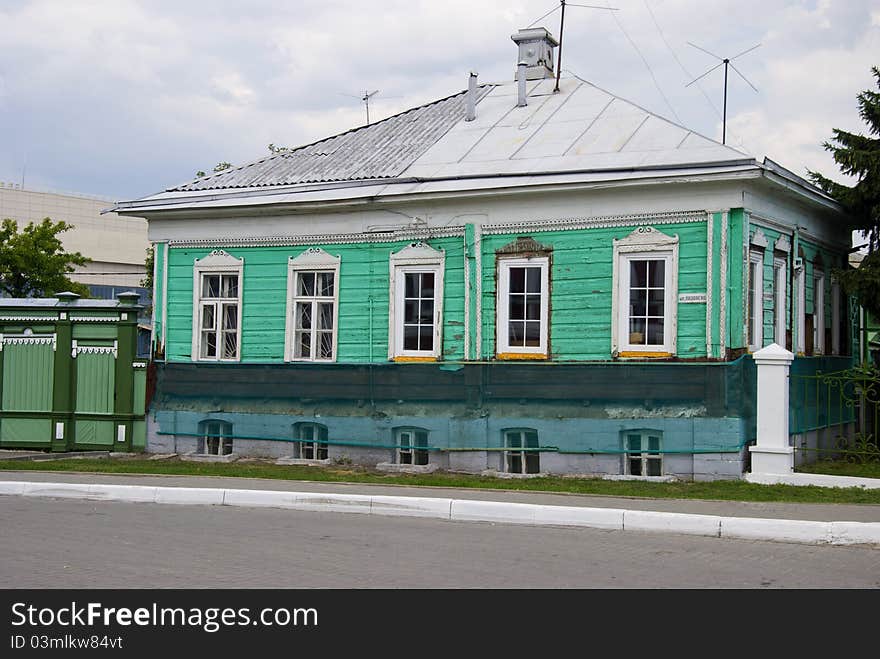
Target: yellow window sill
(521, 355)
(405, 360)
(635, 353)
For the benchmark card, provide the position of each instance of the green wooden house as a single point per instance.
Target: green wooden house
(69, 376)
(514, 279)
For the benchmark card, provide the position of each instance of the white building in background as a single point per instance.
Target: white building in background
(116, 245)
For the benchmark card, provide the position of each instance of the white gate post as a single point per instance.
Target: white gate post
(772, 454)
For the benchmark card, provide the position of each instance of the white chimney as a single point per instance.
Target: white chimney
(471, 98)
(536, 50)
(521, 84)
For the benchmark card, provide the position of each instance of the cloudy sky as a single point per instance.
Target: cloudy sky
(123, 98)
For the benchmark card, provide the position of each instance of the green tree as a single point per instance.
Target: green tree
(859, 156)
(33, 262)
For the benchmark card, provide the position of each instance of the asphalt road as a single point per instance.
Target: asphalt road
(46, 543)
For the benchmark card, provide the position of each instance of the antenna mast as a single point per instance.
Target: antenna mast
(725, 62)
(562, 4)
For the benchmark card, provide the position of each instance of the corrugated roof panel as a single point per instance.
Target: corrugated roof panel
(381, 150)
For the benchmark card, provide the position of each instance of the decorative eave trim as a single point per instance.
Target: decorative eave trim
(30, 318)
(28, 339)
(602, 222)
(95, 319)
(77, 349)
(426, 233)
(138, 364)
(324, 238)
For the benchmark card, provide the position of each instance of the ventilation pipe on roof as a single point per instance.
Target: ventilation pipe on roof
(471, 98)
(521, 84)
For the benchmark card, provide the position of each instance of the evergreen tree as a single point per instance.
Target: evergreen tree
(859, 156)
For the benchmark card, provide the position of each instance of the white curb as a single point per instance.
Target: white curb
(751, 528)
(412, 507)
(190, 495)
(646, 520)
(790, 530)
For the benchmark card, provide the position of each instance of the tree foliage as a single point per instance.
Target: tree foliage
(34, 263)
(859, 156)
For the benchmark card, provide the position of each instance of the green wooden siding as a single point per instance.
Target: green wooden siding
(363, 300)
(581, 289)
(28, 370)
(95, 382)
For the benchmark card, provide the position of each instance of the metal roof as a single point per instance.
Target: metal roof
(580, 127)
(381, 150)
(579, 134)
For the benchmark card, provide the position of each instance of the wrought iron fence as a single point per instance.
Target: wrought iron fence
(834, 413)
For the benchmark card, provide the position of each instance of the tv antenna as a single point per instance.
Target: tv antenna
(366, 100)
(562, 5)
(725, 62)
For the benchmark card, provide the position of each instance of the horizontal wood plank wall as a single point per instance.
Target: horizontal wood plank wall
(581, 283)
(363, 300)
(581, 289)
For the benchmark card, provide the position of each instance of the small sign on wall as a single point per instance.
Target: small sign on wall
(692, 298)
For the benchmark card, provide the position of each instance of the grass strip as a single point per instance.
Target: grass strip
(723, 490)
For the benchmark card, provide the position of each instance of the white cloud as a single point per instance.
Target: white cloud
(147, 91)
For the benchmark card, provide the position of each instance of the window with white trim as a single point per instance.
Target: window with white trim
(311, 441)
(836, 333)
(215, 437)
(412, 446)
(416, 300)
(645, 293)
(642, 452)
(217, 280)
(779, 299)
(818, 312)
(800, 289)
(756, 300)
(521, 455)
(312, 306)
(523, 305)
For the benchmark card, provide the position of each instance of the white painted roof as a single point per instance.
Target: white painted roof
(581, 127)
(581, 134)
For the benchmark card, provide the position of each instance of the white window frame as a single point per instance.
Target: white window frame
(644, 456)
(408, 451)
(756, 300)
(314, 260)
(511, 453)
(218, 262)
(780, 284)
(316, 446)
(800, 286)
(835, 317)
(414, 258)
(645, 243)
(818, 312)
(502, 308)
(219, 432)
